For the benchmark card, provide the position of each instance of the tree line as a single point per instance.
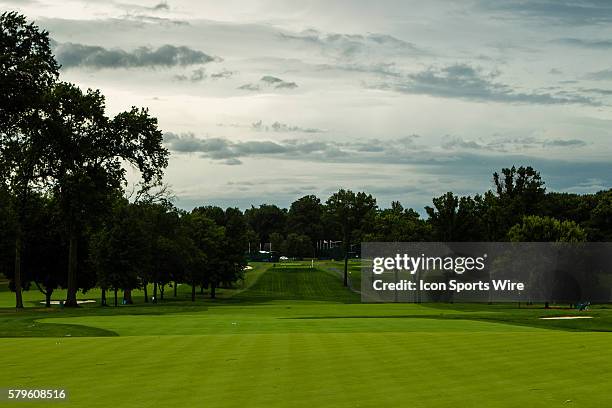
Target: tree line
(66, 220)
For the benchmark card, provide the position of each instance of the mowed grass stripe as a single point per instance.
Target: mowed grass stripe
(541, 369)
(299, 284)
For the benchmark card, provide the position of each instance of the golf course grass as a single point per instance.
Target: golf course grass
(292, 336)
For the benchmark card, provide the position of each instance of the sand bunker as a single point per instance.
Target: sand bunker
(565, 317)
(79, 302)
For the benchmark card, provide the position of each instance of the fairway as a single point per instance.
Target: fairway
(294, 337)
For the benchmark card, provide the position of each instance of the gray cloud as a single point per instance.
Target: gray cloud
(283, 127)
(582, 43)
(562, 11)
(463, 81)
(565, 143)
(224, 149)
(72, 55)
(352, 45)
(369, 150)
(144, 18)
(268, 82)
(223, 74)
(599, 91)
(161, 6)
(196, 75)
(509, 144)
(603, 75)
(400, 150)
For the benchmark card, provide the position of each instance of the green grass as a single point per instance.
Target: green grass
(292, 336)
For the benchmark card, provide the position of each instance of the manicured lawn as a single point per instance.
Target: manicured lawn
(293, 337)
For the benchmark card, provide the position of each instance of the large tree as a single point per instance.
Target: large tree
(27, 71)
(120, 251)
(85, 156)
(353, 214)
(520, 191)
(397, 224)
(267, 219)
(304, 218)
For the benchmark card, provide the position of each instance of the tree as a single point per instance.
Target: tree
(298, 245)
(534, 228)
(520, 191)
(27, 71)
(599, 224)
(236, 245)
(353, 214)
(443, 216)
(43, 235)
(120, 252)
(206, 257)
(7, 233)
(265, 220)
(162, 226)
(397, 224)
(85, 154)
(305, 218)
(277, 242)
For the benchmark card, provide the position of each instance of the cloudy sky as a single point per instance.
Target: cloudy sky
(266, 101)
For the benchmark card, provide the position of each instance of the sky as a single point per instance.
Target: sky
(266, 101)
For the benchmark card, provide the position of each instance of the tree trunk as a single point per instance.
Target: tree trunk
(48, 294)
(346, 256)
(161, 292)
(127, 296)
(201, 289)
(175, 285)
(146, 292)
(193, 290)
(71, 291)
(103, 298)
(154, 292)
(213, 287)
(115, 297)
(18, 293)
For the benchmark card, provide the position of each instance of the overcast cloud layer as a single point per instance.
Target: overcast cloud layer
(265, 101)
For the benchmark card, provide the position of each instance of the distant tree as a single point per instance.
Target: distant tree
(298, 246)
(85, 152)
(443, 216)
(568, 206)
(534, 228)
(236, 245)
(27, 71)
(520, 192)
(212, 212)
(163, 229)
(277, 242)
(265, 220)
(305, 218)
(44, 262)
(397, 224)
(599, 224)
(207, 258)
(120, 252)
(491, 217)
(43, 267)
(354, 216)
(252, 239)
